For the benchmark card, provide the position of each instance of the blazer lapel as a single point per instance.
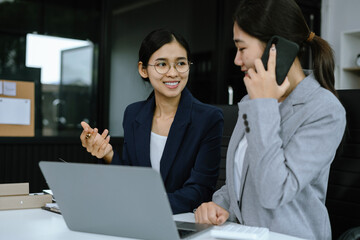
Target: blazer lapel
(142, 131)
(176, 134)
(298, 96)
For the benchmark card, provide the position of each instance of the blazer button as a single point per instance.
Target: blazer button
(247, 129)
(244, 116)
(246, 123)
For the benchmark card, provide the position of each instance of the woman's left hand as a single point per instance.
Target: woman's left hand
(261, 83)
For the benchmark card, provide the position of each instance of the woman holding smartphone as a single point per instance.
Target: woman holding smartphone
(286, 136)
(171, 131)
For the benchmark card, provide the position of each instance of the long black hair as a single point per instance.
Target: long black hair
(155, 40)
(264, 18)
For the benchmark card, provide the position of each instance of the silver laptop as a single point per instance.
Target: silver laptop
(115, 200)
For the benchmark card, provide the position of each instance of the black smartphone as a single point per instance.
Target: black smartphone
(286, 52)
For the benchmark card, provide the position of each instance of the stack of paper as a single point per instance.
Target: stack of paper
(16, 196)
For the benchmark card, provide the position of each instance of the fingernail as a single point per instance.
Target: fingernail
(273, 48)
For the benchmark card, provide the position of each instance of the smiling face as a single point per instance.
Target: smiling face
(170, 84)
(248, 47)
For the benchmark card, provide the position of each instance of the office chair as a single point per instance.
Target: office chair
(351, 234)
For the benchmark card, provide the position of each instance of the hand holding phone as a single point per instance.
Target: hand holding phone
(286, 52)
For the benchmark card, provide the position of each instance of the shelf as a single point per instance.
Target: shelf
(352, 69)
(349, 50)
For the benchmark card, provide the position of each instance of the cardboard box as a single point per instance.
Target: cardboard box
(11, 189)
(24, 201)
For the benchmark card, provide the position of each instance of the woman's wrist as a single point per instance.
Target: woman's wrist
(108, 157)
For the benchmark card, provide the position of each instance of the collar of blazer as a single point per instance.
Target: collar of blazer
(183, 113)
(299, 95)
(177, 131)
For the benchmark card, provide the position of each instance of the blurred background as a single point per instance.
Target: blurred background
(82, 55)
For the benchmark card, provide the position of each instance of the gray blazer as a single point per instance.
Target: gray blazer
(287, 161)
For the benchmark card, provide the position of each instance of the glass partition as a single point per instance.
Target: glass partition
(66, 81)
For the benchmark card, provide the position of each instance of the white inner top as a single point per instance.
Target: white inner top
(157, 145)
(238, 164)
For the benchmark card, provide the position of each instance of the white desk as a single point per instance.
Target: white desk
(38, 224)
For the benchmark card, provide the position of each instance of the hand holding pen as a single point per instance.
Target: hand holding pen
(95, 143)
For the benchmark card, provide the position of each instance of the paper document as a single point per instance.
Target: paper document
(1, 87)
(9, 88)
(15, 111)
(52, 207)
(48, 191)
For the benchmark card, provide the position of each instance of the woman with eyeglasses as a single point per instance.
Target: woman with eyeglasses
(171, 131)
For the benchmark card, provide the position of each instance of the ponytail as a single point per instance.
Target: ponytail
(323, 60)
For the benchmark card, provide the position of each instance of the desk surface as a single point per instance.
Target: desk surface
(38, 224)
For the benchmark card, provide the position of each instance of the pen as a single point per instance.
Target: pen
(52, 209)
(62, 160)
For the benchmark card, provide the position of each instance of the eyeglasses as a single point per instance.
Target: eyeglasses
(162, 67)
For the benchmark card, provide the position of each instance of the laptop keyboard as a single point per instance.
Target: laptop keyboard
(184, 233)
(186, 229)
(240, 232)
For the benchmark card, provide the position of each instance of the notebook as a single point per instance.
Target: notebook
(115, 200)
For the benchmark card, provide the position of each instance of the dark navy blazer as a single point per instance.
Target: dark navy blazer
(190, 162)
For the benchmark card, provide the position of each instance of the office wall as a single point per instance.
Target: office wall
(337, 17)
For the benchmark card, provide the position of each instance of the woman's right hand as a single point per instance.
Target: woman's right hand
(211, 213)
(96, 144)
(261, 83)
